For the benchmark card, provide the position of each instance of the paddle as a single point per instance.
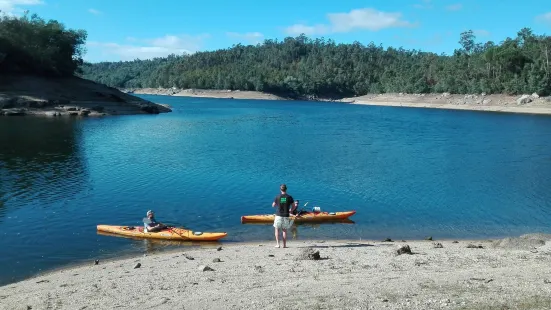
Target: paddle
(298, 214)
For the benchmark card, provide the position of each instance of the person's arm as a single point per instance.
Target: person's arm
(274, 203)
(293, 207)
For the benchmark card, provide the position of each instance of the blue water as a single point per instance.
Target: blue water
(409, 173)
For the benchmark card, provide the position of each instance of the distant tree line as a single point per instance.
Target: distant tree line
(304, 67)
(295, 67)
(31, 45)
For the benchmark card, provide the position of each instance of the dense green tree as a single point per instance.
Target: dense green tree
(303, 67)
(30, 45)
(297, 67)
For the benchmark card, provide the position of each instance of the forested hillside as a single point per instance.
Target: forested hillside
(304, 67)
(38, 63)
(31, 45)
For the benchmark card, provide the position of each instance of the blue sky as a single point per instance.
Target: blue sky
(126, 30)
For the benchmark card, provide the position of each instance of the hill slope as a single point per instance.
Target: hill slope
(315, 68)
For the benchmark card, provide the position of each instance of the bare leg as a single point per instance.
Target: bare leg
(277, 238)
(284, 238)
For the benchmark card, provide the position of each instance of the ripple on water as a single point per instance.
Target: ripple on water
(409, 173)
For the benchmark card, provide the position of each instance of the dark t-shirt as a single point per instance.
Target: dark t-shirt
(283, 203)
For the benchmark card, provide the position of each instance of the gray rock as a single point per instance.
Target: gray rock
(446, 95)
(535, 96)
(472, 246)
(219, 248)
(138, 265)
(486, 101)
(205, 268)
(216, 260)
(97, 108)
(404, 250)
(309, 254)
(84, 112)
(37, 104)
(524, 242)
(524, 99)
(438, 245)
(96, 262)
(14, 112)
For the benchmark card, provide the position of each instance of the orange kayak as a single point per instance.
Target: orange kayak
(171, 233)
(304, 217)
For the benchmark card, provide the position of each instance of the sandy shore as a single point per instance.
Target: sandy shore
(206, 93)
(502, 274)
(480, 102)
(489, 103)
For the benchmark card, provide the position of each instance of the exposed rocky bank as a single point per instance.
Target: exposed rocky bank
(31, 95)
(532, 104)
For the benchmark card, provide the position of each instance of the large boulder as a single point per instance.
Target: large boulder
(524, 99)
(7, 102)
(151, 109)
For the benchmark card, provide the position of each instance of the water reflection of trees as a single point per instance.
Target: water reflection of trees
(39, 160)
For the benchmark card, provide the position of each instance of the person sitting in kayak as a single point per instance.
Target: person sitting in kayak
(150, 224)
(294, 209)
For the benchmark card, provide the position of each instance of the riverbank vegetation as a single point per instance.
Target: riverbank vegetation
(305, 67)
(31, 45)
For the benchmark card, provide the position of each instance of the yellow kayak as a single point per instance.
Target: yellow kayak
(304, 217)
(170, 233)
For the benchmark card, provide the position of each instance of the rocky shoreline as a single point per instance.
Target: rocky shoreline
(532, 104)
(509, 273)
(31, 95)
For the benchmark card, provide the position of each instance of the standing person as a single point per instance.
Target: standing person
(282, 203)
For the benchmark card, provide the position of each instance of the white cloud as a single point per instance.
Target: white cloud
(544, 18)
(481, 33)
(454, 7)
(249, 37)
(12, 6)
(359, 19)
(95, 12)
(149, 48)
(425, 5)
